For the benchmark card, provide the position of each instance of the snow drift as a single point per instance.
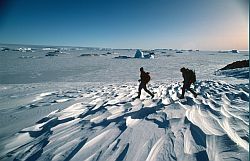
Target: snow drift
(106, 123)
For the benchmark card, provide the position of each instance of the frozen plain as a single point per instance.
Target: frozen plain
(69, 107)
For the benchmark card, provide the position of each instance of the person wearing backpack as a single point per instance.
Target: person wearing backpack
(145, 78)
(189, 78)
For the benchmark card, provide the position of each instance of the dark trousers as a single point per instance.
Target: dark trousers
(143, 86)
(186, 86)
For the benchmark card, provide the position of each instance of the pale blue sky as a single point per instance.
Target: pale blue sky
(185, 24)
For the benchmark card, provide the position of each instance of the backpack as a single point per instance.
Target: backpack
(147, 77)
(191, 76)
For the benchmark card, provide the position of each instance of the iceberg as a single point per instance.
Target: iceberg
(139, 54)
(25, 50)
(52, 53)
(235, 51)
(122, 57)
(150, 56)
(89, 55)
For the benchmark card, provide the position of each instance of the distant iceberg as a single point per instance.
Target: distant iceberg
(4, 49)
(89, 55)
(55, 53)
(221, 51)
(52, 53)
(232, 51)
(48, 49)
(150, 56)
(25, 50)
(122, 57)
(235, 51)
(139, 54)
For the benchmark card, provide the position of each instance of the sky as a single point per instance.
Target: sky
(147, 24)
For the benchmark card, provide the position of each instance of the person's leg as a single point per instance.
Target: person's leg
(195, 94)
(184, 87)
(145, 88)
(139, 90)
(183, 92)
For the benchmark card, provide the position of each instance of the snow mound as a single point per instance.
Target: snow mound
(108, 124)
(237, 64)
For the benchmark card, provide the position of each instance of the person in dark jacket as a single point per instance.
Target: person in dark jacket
(145, 78)
(187, 82)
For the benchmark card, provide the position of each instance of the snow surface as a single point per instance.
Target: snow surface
(83, 120)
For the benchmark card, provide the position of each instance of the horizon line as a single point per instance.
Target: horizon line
(121, 48)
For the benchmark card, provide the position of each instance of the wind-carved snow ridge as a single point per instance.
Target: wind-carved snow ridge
(106, 123)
